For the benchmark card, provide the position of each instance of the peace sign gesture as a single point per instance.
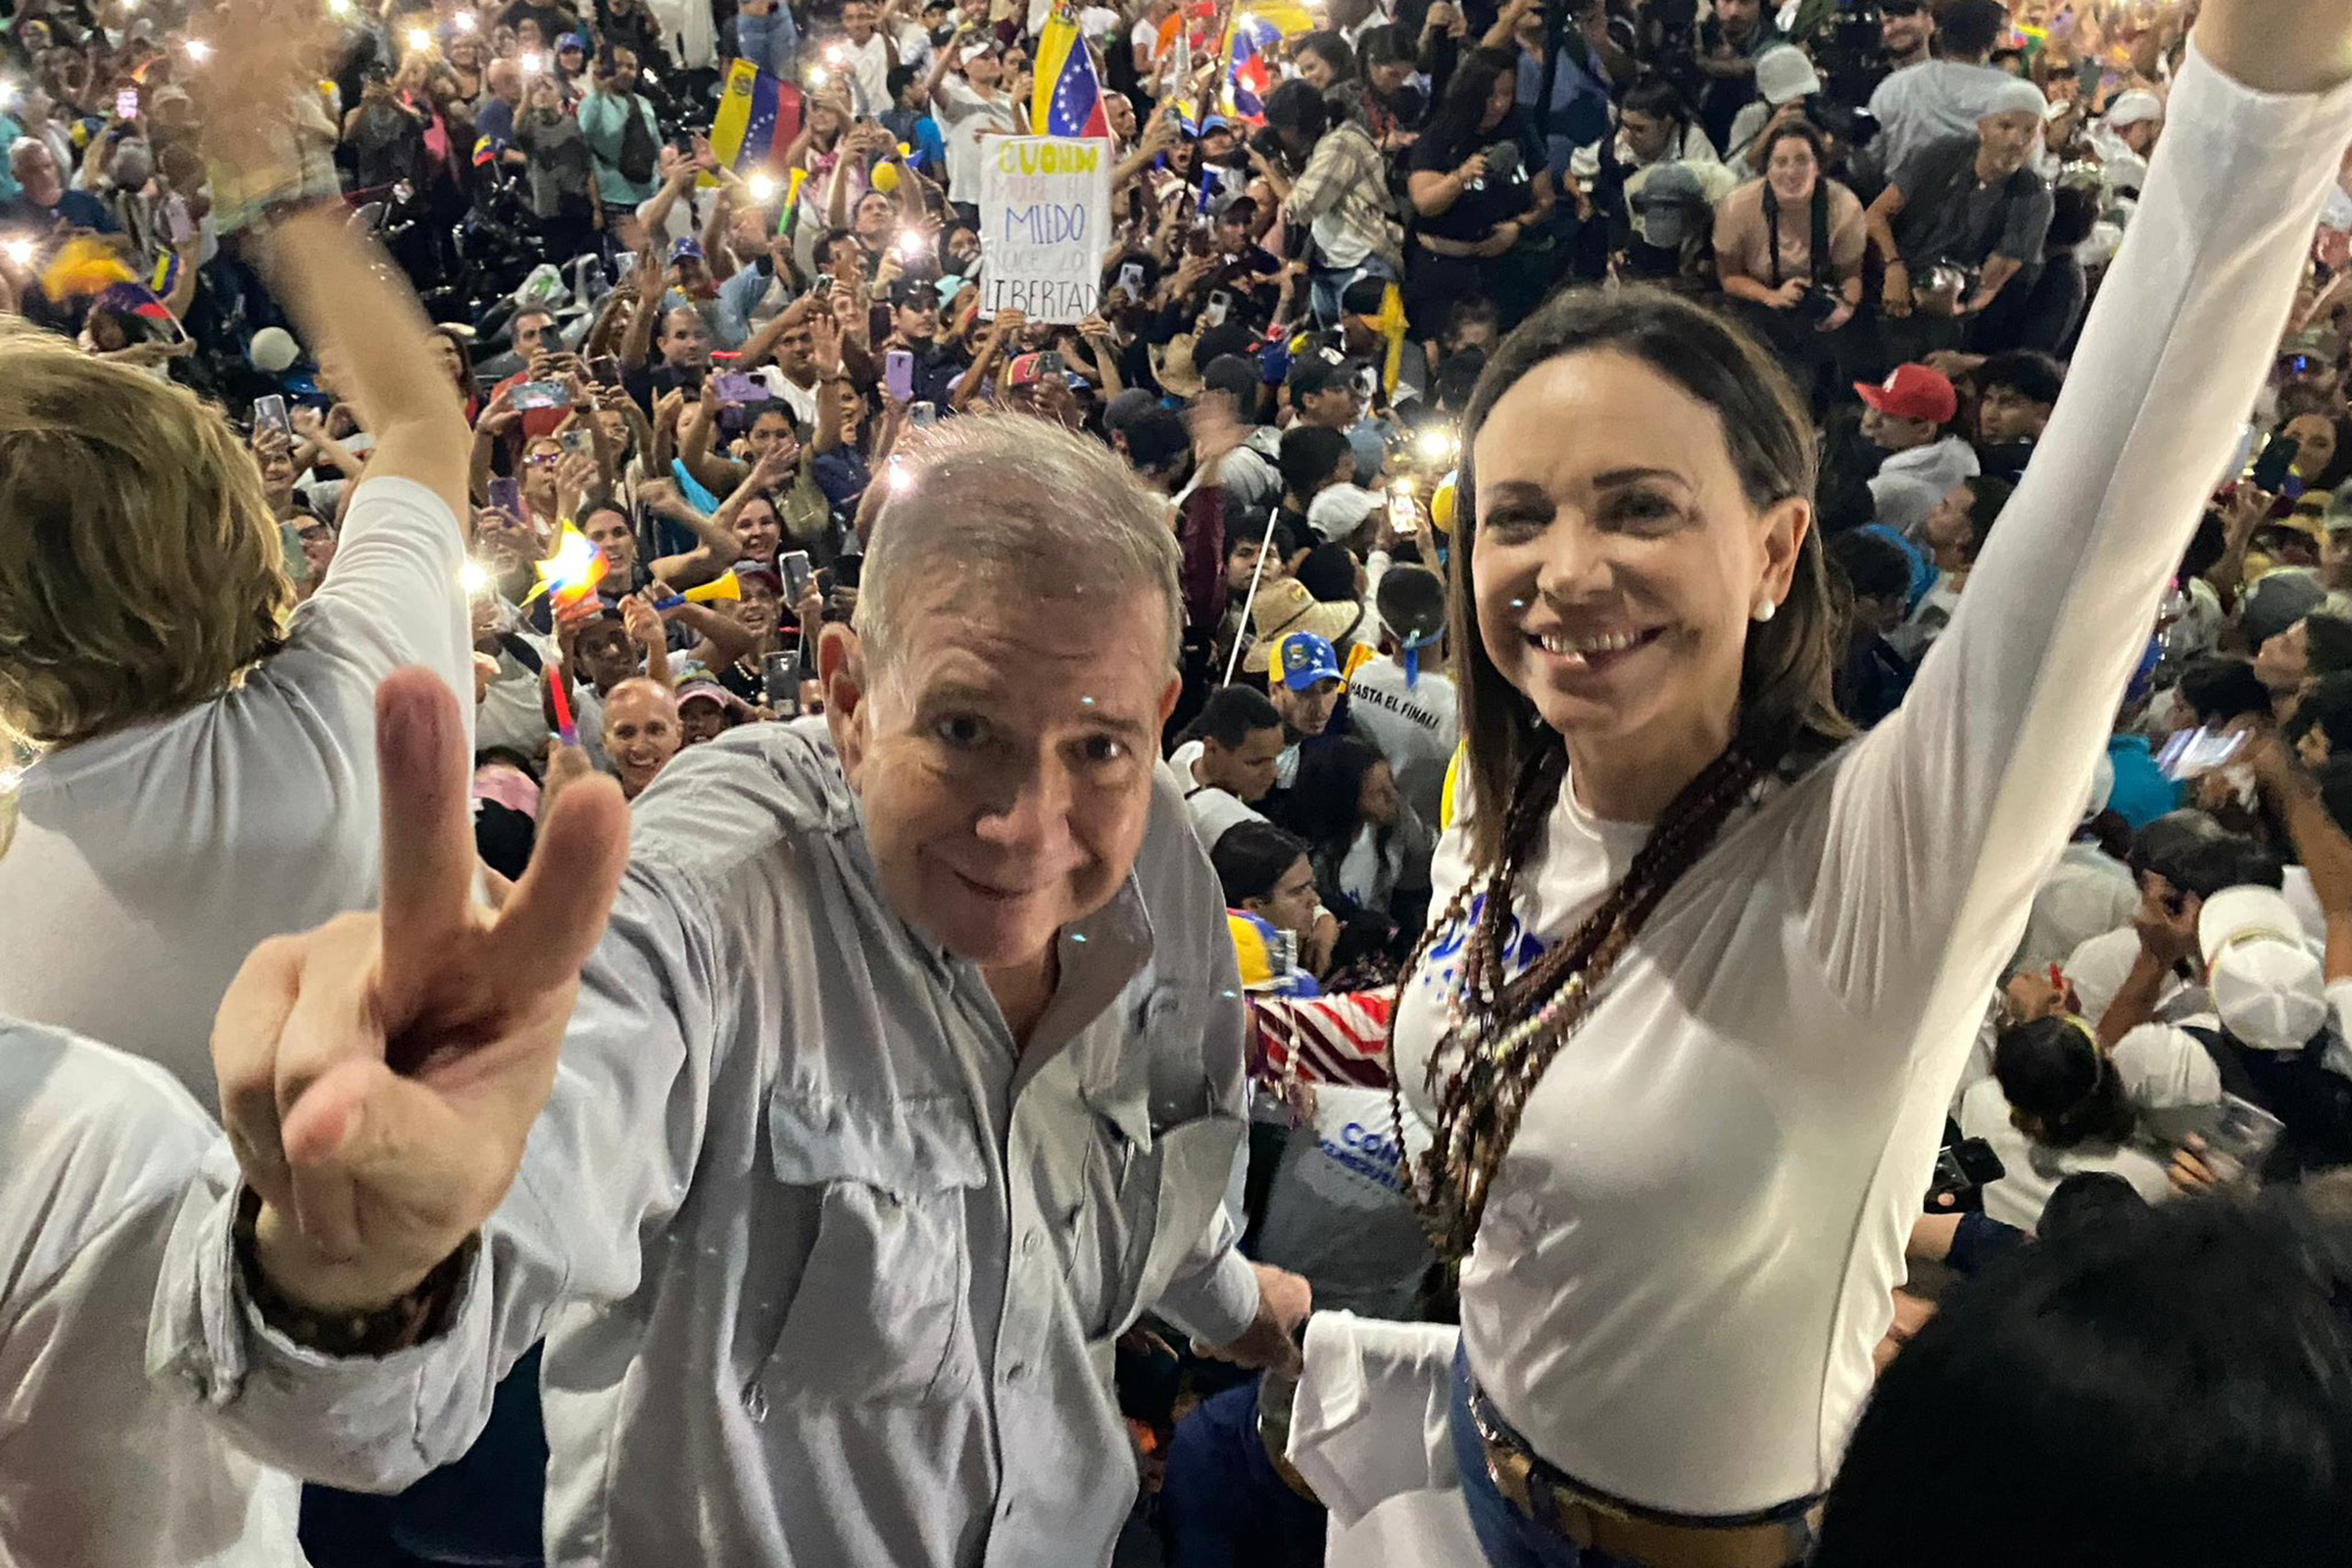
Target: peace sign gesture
(380, 1075)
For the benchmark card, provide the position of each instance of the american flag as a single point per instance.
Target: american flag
(1323, 1039)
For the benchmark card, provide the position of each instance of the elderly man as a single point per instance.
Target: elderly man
(44, 200)
(905, 1077)
(495, 118)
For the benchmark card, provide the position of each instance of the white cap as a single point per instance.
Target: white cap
(2098, 967)
(2267, 986)
(271, 350)
(2012, 97)
(1783, 75)
(2103, 787)
(1340, 509)
(2135, 108)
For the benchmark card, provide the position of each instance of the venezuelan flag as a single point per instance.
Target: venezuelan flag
(759, 115)
(1068, 97)
(1250, 71)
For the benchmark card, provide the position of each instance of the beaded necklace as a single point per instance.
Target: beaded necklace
(1501, 1032)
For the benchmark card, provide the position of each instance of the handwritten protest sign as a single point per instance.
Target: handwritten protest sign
(1045, 223)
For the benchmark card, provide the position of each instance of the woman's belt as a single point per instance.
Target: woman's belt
(1597, 1522)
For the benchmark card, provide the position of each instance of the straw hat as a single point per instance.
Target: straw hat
(1284, 606)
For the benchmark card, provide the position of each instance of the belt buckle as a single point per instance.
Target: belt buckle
(1512, 1473)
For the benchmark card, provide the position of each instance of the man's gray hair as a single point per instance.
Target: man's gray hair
(22, 147)
(1014, 506)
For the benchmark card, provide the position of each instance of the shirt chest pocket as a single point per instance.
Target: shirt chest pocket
(1159, 1167)
(1163, 1199)
(881, 1310)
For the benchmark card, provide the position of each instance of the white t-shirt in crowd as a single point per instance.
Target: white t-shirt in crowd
(1687, 1256)
(1928, 102)
(148, 863)
(1909, 484)
(2087, 894)
(2033, 1170)
(1212, 810)
(97, 1464)
(1416, 727)
(869, 69)
(1145, 35)
(964, 114)
(802, 400)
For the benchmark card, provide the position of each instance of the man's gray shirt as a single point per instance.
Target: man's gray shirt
(828, 1270)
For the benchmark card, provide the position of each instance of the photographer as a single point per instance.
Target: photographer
(1788, 249)
(1475, 199)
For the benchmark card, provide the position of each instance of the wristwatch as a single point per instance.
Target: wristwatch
(413, 1318)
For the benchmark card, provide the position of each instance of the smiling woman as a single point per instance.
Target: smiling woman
(1705, 970)
(1645, 569)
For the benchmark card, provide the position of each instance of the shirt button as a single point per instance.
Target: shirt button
(1029, 1244)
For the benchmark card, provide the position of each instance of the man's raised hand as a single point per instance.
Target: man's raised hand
(380, 1075)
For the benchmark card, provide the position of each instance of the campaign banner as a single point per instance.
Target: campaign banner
(1045, 226)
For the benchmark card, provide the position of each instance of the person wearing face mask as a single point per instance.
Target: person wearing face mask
(1654, 126)
(1960, 221)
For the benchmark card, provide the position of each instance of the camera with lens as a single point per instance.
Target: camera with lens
(1941, 287)
(1821, 302)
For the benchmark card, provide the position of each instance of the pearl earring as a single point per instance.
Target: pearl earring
(1765, 610)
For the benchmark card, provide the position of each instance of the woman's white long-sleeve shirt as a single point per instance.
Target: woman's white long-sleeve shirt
(1687, 1254)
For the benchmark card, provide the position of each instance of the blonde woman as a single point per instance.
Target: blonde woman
(205, 773)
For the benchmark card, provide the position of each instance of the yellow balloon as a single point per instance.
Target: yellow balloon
(1440, 504)
(886, 177)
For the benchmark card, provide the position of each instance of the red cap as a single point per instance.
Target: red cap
(1913, 392)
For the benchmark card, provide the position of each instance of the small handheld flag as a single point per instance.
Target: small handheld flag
(759, 116)
(84, 267)
(571, 574)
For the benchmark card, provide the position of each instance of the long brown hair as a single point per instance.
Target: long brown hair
(1788, 713)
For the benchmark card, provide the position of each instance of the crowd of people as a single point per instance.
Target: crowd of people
(919, 921)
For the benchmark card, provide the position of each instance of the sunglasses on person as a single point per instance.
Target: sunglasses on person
(543, 460)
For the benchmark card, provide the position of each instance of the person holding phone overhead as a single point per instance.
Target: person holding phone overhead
(1706, 970)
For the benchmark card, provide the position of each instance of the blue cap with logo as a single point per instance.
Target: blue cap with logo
(1307, 658)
